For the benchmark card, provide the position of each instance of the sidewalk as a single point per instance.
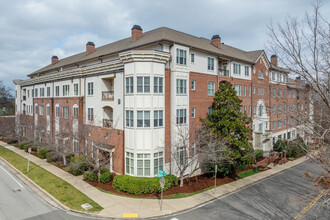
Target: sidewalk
(115, 206)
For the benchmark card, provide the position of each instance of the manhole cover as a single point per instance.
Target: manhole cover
(16, 190)
(86, 206)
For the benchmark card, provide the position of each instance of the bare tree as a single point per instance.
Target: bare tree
(5, 98)
(303, 48)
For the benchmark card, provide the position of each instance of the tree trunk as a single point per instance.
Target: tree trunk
(181, 179)
(64, 159)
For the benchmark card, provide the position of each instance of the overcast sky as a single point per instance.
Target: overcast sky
(31, 31)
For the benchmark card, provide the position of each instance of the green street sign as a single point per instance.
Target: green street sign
(161, 174)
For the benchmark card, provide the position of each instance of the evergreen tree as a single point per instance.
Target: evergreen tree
(226, 121)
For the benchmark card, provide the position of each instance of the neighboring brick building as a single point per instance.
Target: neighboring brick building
(128, 98)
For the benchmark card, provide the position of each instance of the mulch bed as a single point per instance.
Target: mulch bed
(190, 185)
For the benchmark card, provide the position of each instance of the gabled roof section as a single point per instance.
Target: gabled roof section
(151, 37)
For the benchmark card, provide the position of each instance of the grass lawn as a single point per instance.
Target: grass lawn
(61, 190)
(246, 173)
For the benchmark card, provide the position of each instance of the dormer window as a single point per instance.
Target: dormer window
(261, 74)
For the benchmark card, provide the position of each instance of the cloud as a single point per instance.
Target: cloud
(34, 30)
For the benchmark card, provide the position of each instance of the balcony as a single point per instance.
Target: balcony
(107, 123)
(107, 96)
(223, 72)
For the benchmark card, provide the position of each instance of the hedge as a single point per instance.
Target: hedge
(142, 185)
(105, 177)
(90, 176)
(42, 153)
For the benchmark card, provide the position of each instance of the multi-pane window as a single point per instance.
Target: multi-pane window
(90, 88)
(65, 112)
(249, 90)
(158, 118)
(48, 91)
(75, 112)
(181, 155)
(273, 125)
(57, 111)
(181, 57)
(42, 92)
(32, 92)
(249, 110)
(143, 119)
(261, 110)
(192, 58)
(193, 85)
(181, 116)
(41, 110)
(238, 89)
(260, 127)
(211, 88)
(129, 85)
(237, 69)
(129, 163)
(193, 112)
(28, 93)
(273, 76)
(57, 91)
(66, 90)
(244, 91)
(209, 110)
(210, 63)
(129, 119)
(261, 74)
(75, 89)
(36, 93)
(143, 84)
(75, 145)
(247, 71)
(158, 162)
(158, 84)
(279, 92)
(143, 164)
(36, 110)
(273, 92)
(90, 114)
(48, 110)
(181, 87)
(279, 109)
(284, 93)
(279, 124)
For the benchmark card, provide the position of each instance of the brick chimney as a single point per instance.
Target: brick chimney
(90, 47)
(216, 41)
(273, 59)
(54, 60)
(136, 32)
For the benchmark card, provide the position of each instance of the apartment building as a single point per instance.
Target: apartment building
(128, 99)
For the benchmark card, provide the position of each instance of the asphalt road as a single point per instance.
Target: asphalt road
(282, 196)
(18, 201)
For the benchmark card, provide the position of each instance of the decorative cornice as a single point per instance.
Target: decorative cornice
(144, 56)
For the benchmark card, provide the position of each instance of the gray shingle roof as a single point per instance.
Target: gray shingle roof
(159, 34)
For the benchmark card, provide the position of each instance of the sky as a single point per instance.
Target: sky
(32, 31)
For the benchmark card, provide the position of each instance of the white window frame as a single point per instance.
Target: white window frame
(158, 118)
(158, 162)
(129, 163)
(90, 114)
(238, 89)
(75, 145)
(181, 116)
(211, 88)
(129, 85)
(193, 112)
(48, 91)
(145, 87)
(210, 63)
(247, 71)
(90, 88)
(57, 90)
(57, 111)
(75, 89)
(66, 90)
(181, 86)
(75, 112)
(144, 158)
(237, 68)
(41, 110)
(181, 57)
(192, 57)
(65, 112)
(144, 121)
(158, 85)
(129, 118)
(193, 85)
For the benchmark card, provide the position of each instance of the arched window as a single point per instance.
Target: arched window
(261, 74)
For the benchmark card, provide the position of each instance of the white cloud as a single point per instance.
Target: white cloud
(34, 30)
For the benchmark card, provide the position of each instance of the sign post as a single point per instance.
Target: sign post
(215, 177)
(29, 150)
(161, 175)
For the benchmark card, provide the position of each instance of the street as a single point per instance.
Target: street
(18, 201)
(282, 196)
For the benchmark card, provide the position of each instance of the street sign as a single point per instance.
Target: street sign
(29, 149)
(161, 173)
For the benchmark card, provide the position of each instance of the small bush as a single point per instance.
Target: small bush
(90, 176)
(296, 148)
(42, 153)
(78, 165)
(104, 170)
(142, 185)
(12, 141)
(26, 148)
(53, 157)
(280, 145)
(246, 173)
(105, 177)
(22, 145)
(259, 153)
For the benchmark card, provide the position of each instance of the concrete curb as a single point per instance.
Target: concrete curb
(231, 192)
(51, 200)
(202, 198)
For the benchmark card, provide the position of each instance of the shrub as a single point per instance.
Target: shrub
(12, 141)
(22, 145)
(142, 185)
(259, 153)
(26, 148)
(104, 170)
(280, 145)
(42, 153)
(105, 177)
(90, 175)
(296, 148)
(78, 165)
(53, 157)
